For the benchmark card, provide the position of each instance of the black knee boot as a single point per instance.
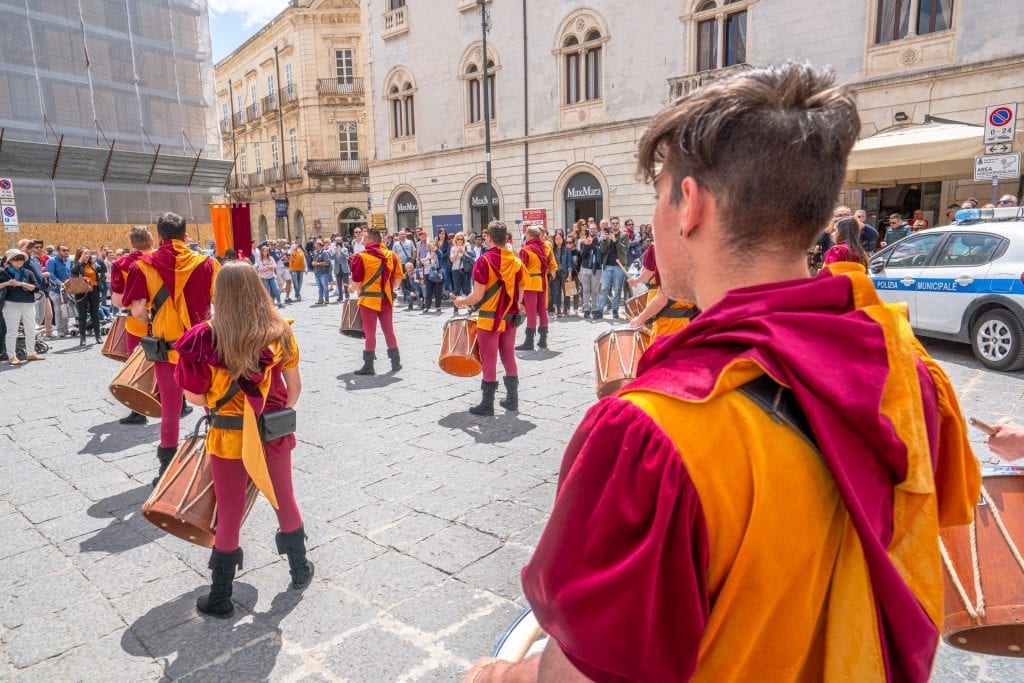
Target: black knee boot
(293, 544)
(511, 400)
(396, 360)
(486, 405)
(367, 369)
(542, 342)
(527, 344)
(218, 602)
(81, 334)
(165, 454)
(185, 407)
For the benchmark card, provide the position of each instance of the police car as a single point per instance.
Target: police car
(963, 282)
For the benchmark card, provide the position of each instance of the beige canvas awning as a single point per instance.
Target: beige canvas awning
(932, 151)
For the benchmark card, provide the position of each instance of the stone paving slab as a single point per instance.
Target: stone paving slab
(419, 514)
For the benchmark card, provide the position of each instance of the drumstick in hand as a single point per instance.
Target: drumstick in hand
(623, 267)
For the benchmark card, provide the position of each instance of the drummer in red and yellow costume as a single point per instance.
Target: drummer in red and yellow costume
(540, 264)
(692, 522)
(376, 272)
(170, 289)
(498, 289)
(668, 316)
(135, 329)
(243, 364)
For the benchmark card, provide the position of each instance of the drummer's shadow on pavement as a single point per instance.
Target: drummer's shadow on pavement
(501, 428)
(118, 536)
(113, 437)
(354, 382)
(201, 643)
(539, 354)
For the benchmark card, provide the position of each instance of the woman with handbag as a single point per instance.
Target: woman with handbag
(462, 265)
(18, 286)
(572, 282)
(564, 259)
(433, 276)
(244, 364)
(87, 300)
(266, 266)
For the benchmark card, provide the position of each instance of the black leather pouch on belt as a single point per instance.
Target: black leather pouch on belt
(155, 349)
(277, 424)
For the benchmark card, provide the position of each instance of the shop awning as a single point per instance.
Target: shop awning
(931, 151)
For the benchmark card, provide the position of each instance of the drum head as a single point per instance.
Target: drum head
(183, 529)
(1006, 639)
(137, 400)
(524, 638)
(460, 366)
(354, 334)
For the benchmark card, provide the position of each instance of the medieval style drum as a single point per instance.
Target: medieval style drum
(351, 322)
(984, 596)
(135, 385)
(460, 354)
(183, 503)
(116, 344)
(617, 352)
(636, 305)
(524, 638)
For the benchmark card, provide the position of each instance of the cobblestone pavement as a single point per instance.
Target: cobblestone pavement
(419, 517)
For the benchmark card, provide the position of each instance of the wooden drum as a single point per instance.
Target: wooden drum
(617, 352)
(183, 503)
(989, 621)
(524, 638)
(351, 322)
(116, 344)
(135, 385)
(636, 305)
(460, 353)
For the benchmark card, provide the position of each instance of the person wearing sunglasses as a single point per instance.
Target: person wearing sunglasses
(1008, 200)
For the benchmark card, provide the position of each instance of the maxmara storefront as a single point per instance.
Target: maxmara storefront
(571, 175)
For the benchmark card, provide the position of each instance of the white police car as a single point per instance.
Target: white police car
(963, 282)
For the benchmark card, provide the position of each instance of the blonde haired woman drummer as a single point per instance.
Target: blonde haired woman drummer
(243, 363)
(498, 287)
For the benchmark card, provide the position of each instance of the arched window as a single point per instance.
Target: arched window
(720, 34)
(401, 92)
(581, 49)
(473, 74)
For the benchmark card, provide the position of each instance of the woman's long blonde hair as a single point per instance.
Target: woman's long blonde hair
(245, 320)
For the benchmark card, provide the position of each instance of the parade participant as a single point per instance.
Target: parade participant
(135, 329)
(499, 280)
(747, 509)
(243, 364)
(540, 263)
(669, 316)
(170, 289)
(376, 271)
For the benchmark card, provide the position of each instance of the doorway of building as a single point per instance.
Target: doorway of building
(905, 200)
(584, 198)
(349, 220)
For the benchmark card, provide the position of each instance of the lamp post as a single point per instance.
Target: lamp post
(487, 112)
(280, 121)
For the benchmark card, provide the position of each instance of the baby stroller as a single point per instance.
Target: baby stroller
(71, 311)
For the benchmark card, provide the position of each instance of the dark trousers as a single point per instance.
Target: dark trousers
(89, 303)
(434, 290)
(557, 300)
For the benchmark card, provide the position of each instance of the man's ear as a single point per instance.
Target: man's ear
(697, 206)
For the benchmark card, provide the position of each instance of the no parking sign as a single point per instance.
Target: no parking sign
(1000, 123)
(10, 213)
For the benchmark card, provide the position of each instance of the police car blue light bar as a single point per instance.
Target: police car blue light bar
(970, 215)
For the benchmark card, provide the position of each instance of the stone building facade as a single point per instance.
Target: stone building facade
(292, 108)
(575, 84)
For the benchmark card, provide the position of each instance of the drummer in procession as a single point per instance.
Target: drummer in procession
(499, 280)
(170, 289)
(746, 510)
(142, 243)
(376, 272)
(540, 263)
(669, 316)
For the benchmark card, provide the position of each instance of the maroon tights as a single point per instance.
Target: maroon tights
(370, 318)
(491, 344)
(170, 404)
(536, 307)
(230, 482)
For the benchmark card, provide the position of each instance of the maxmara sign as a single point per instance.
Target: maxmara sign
(583, 192)
(407, 207)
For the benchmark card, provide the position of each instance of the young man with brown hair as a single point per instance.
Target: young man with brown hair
(135, 329)
(376, 272)
(748, 509)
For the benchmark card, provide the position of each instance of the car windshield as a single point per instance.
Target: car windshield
(912, 252)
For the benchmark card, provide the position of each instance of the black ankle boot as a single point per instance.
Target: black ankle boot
(218, 602)
(293, 544)
(165, 454)
(133, 418)
(511, 400)
(396, 360)
(186, 409)
(81, 336)
(486, 405)
(527, 344)
(542, 342)
(367, 369)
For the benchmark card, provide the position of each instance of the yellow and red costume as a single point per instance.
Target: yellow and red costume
(692, 522)
(374, 270)
(539, 260)
(135, 329)
(183, 281)
(503, 276)
(675, 315)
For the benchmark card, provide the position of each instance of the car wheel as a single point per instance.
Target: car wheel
(998, 340)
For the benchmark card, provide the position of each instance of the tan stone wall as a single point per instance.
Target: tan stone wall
(94, 235)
